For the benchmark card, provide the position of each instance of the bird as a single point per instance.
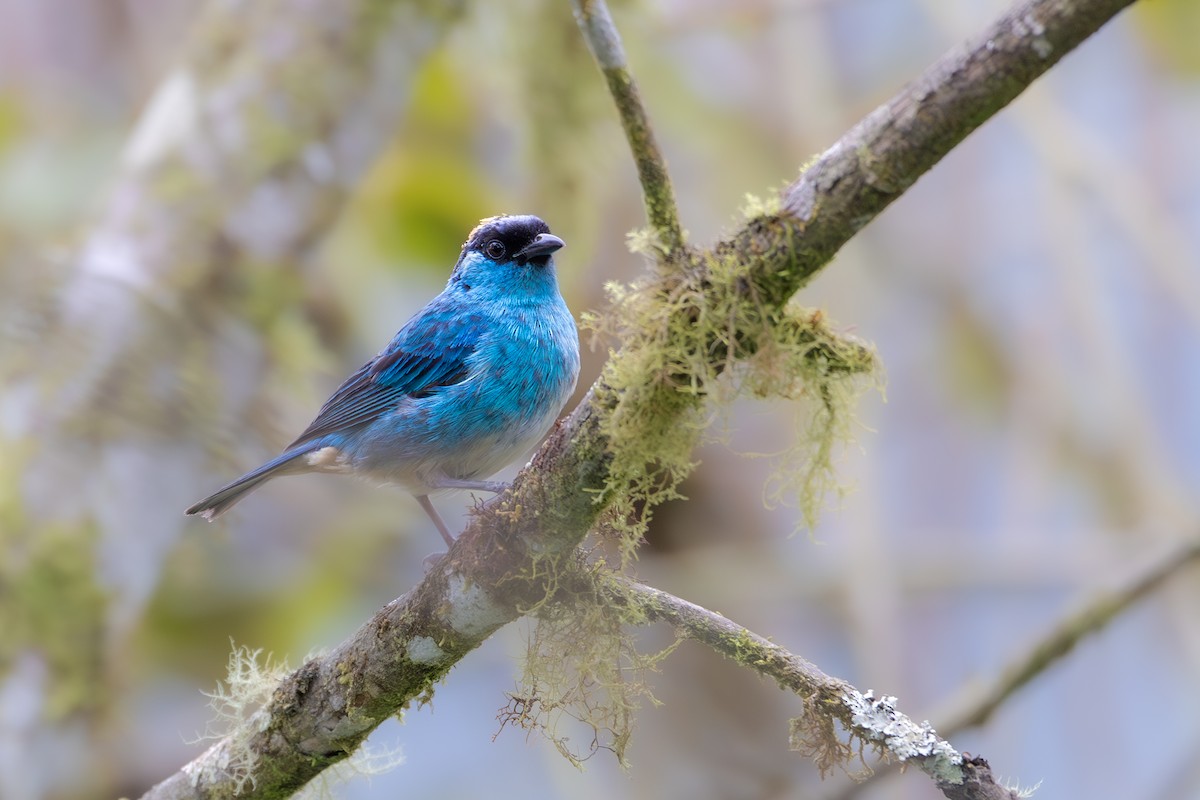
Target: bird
(471, 382)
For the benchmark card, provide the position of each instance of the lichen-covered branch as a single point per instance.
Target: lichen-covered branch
(1093, 616)
(504, 563)
(873, 721)
(605, 43)
(888, 150)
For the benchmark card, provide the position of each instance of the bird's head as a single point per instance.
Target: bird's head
(508, 254)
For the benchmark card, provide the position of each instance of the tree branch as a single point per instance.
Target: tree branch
(872, 720)
(605, 43)
(498, 568)
(887, 151)
(976, 708)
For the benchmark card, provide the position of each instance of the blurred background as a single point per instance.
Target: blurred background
(211, 213)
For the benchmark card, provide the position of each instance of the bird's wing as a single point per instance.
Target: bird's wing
(429, 352)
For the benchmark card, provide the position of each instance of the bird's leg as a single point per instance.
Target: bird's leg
(426, 504)
(443, 482)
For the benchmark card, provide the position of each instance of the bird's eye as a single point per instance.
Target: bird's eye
(494, 249)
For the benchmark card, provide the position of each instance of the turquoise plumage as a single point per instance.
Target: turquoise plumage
(473, 381)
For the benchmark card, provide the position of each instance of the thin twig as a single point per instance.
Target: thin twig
(1057, 643)
(873, 720)
(973, 708)
(605, 43)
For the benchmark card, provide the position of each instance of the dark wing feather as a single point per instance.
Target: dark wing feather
(429, 352)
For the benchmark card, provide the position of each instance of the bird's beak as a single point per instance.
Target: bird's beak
(539, 249)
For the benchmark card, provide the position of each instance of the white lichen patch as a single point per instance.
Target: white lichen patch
(227, 759)
(1031, 27)
(238, 704)
(877, 720)
(472, 613)
(424, 650)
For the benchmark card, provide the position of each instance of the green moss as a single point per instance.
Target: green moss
(708, 332)
(695, 334)
(657, 193)
(755, 206)
(742, 645)
(597, 689)
(246, 707)
(699, 332)
(814, 735)
(807, 362)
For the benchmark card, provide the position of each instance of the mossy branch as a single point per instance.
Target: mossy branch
(605, 43)
(885, 153)
(503, 564)
(869, 721)
(976, 706)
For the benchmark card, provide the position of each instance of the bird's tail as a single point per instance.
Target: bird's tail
(224, 498)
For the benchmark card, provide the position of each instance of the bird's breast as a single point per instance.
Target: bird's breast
(532, 365)
(521, 370)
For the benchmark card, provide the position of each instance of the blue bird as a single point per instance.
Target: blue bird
(473, 381)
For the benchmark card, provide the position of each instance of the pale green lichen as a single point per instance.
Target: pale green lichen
(755, 206)
(238, 705)
(367, 761)
(877, 721)
(707, 331)
(697, 329)
(596, 691)
(821, 371)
